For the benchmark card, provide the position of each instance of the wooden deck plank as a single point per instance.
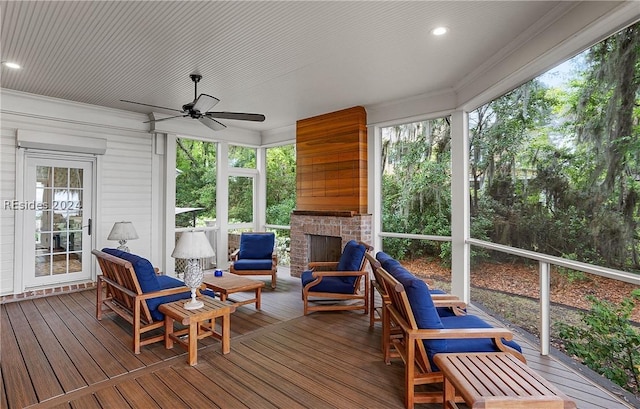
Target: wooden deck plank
(86, 402)
(197, 390)
(45, 382)
(289, 381)
(62, 363)
(111, 398)
(221, 375)
(161, 393)
(247, 377)
(17, 386)
(102, 356)
(136, 396)
(278, 358)
(111, 341)
(82, 360)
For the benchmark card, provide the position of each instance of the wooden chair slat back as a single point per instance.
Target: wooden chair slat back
(122, 272)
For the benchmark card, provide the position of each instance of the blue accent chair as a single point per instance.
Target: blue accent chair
(256, 256)
(338, 283)
(133, 289)
(426, 333)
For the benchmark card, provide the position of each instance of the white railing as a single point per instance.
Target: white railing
(545, 262)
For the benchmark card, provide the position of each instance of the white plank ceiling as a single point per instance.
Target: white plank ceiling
(287, 60)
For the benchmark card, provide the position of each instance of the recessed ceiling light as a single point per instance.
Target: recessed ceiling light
(12, 65)
(438, 31)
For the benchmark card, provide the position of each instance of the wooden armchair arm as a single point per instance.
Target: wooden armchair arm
(466, 333)
(326, 264)
(161, 293)
(334, 273)
(234, 255)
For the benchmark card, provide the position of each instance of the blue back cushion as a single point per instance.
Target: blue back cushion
(256, 245)
(352, 256)
(144, 270)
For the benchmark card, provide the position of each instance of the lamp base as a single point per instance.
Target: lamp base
(193, 305)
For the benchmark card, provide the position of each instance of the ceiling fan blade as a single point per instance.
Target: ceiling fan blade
(204, 103)
(212, 123)
(240, 116)
(149, 105)
(164, 119)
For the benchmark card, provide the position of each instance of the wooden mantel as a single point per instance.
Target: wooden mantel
(331, 154)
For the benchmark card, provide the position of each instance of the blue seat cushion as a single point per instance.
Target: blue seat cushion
(256, 245)
(464, 344)
(145, 272)
(328, 284)
(253, 264)
(165, 283)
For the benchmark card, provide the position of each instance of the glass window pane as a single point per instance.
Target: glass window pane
(61, 177)
(43, 176)
(281, 184)
(242, 157)
(416, 178)
(240, 199)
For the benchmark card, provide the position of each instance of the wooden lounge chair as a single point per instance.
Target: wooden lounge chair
(256, 256)
(338, 281)
(133, 290)
(446, 304)
(424, 334)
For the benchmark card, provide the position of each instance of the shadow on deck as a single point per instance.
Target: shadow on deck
(55, 354)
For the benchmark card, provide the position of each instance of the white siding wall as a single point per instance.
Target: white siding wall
(124, 188)
(7, 191)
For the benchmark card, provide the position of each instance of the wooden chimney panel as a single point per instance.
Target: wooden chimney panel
(332, 162)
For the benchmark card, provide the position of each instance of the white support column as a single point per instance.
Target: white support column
(222, 205)
(375, 184)
(260, 191)
(169, 176)
(545, 305)
(460, 215)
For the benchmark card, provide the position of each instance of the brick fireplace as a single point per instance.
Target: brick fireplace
(304, 224)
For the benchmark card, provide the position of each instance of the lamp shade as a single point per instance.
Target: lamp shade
(193, 244)
(123, 231)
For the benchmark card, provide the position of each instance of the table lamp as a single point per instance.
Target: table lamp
(123, 231)
(193, 246)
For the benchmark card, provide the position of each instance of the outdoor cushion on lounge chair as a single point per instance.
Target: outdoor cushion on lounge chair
(340, 281)
(256, 256)
(447, 305)
(425, 333)
(134, 291)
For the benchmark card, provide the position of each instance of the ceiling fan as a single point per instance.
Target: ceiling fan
(199, 109)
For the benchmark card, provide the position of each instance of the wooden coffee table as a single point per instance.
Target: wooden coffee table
(230, 283)
(497, 380)
(201, 322)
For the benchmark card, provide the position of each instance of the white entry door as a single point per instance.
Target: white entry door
(57, 244)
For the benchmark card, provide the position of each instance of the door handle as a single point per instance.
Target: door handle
(88, 226)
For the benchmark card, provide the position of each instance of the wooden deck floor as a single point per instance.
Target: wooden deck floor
(55, 354)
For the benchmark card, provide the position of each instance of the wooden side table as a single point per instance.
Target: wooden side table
(229, 283)
(201, 323)
(496, 380)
